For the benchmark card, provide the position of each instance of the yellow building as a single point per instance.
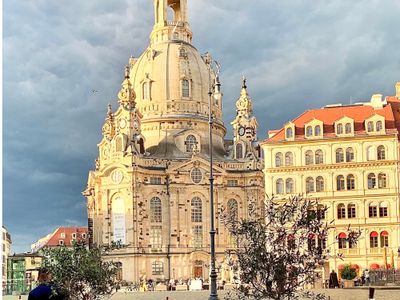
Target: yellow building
(150, 188)
(348, 157)
(6, 244)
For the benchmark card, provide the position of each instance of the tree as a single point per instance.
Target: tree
(79, 272)
(348, 272)
(280, 248)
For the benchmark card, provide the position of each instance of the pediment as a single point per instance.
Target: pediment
(344, 119)
(198, 162)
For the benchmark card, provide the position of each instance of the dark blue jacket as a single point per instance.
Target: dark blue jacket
(45, 292)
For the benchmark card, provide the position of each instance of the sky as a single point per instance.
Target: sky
(296, 55)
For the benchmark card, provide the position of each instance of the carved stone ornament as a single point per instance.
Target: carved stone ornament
(108, 129)
(127, 96)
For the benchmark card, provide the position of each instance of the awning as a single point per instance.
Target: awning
(342, 235)
(384, 233)
(355, 266)
(374, 234)
(374, 266)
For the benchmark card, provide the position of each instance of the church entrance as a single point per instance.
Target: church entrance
(198, 269)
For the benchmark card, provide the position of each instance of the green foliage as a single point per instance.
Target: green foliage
(348, 273)
(79, 272)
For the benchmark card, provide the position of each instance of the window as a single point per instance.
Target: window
(233, 209)
(289, 186)
(339, 155)
(370, 153)
(190, 142)
(155, 237)
(348, 128)
(341, 211)
(370, 126)
(371, 181)
(309, 184)
(232, 182)
(342, 237)
(239, 151)
(339, 129)
(319, 184)
(197, 210)
(74, 235)
(319, 157)
(383, 209)
(289, 159)
(146, 90)
(373, 239)
(384, 239)
(381, 152)
(196, 175)
(317, 130)
(309, 157)
(157, 268)
(321, 209)
(373, 210)
(61, 242)
(155, 210)
(278, 159)
(155, 180)
(340, 183)
(379, 126)
(62, 235)
(382, 180)
(279, 186)
(197, 236)
(351, 211)
(309, 131)
(349, 154)
(84, 236)
(289, 133)
(351, 182)
(185, 88)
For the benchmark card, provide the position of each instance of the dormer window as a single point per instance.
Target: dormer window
(74, 236)
(317, 130)
(185, 88)
(379, 126)
(370, 126)
(309, 131)
(348, 128)
(289, 133)
(339, 129)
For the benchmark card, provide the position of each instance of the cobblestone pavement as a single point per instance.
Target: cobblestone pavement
(337, 294)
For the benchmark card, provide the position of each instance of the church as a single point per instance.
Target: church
(150, 189)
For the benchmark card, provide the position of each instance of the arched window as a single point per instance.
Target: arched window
(373, 239)
(339, 129)
(351, 182)
(239, 151)
(340, 183)
(309, 184)
(319, 157)
(289, 186)
(370, 126)
(279, 186)
(155, 210)
(309, 131)
(190, 142)
(146, 92)
(382, 180)
(289, 133)
(289, 159)
(317, 130)
(384, 239)
(371, 181)
(351, 211)
(339, 155)
(373, 210)
(197, 210)
(383, 209)
(370, 153)
(319, 184)
(342, 240)
(157, 268)
(348, 128)
(349, 154)
(185, 88)
(233, 209)
(380, 154)
(309, 157)
(379, 126)
(341, 211)
(278, 159)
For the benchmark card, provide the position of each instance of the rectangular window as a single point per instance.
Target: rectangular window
(384, 241)
(383, 211)
(341, 212)
(74, 235)
(155, 180)
(373, 212)
(156, 237)
(373, 241)
(342, 243)
(61, 242)
(197, 236)
(351, 211)
(157, 268)
(232, 183)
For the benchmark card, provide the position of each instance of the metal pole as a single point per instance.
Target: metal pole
(213, 273)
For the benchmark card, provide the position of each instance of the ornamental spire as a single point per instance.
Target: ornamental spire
(127, 96)
(244, 105)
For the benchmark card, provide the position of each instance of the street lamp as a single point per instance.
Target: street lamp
(213, 273)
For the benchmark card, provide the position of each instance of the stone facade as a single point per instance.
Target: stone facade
(348, 157)
(149, 190)
(6, 244)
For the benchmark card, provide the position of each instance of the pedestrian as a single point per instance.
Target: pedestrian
(333, 280)
(46, 290)
(366, 274)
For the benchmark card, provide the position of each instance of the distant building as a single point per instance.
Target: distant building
(348, 157)
(62, 236)
(6, 252)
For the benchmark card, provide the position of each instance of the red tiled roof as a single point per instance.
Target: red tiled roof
(68, 231)
(329, 115)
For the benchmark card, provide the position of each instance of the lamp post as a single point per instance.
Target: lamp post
(213, 273)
